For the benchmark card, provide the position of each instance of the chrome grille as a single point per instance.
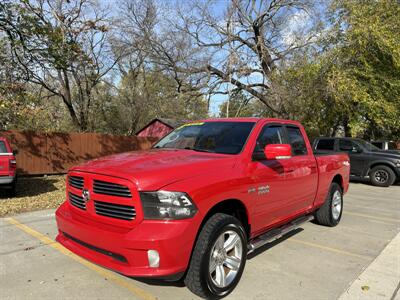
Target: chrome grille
(112, 189)
(116, 211)
(77, 201)
(76, 182)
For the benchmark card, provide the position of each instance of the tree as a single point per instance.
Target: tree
(353, 84)
(246, 44)
(18, 101)
(147, 87)
(60, 46)
(242, 106)
(366, 80)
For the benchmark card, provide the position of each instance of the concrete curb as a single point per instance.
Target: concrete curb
(381, 279)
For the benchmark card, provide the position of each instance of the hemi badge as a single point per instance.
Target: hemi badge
(251, 190)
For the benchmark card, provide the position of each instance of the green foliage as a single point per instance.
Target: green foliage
(141, 97)
(355, 83)
(59, 70)
(367, 78)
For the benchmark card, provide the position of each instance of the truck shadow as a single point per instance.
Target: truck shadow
(31, 186)
(161, 282)
(367, 182)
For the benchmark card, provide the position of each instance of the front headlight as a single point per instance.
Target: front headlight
(165, 205)
(398, 164)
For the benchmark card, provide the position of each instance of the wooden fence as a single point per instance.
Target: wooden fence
(53, 153)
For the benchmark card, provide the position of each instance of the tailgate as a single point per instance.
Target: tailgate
(4, 164)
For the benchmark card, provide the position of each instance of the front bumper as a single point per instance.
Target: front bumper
(125, 250)
(6, 179)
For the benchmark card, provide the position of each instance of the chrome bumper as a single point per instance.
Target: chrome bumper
(6, 179)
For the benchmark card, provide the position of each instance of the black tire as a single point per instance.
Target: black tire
(325, 214)
(198, 278)
(382, 176)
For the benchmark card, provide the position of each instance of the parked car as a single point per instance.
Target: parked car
(196, 204)
(385, 145)
(366, 160)
(8, 167)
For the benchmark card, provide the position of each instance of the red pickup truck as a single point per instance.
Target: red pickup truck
(196, 204)
(8, 167)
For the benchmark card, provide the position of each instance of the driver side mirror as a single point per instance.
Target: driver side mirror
(278, 151)
(15, 152)
(356, 150)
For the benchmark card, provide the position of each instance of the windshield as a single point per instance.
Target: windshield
(368, 145)
(215, 137)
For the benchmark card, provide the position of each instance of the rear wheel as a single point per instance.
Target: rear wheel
(218, 258)
(382, 176)
(330, 213)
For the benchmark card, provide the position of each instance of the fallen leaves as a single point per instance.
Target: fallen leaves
(34, 193)
(365, 288)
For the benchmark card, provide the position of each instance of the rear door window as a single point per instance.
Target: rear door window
(3, 148)
(326, 144)
(378, 144)
(296, 140)
(348, 146)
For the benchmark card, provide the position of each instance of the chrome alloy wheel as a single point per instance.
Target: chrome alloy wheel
(225, 258)
(381, 176)
(336, 204)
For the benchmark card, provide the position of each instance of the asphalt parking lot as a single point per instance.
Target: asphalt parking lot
(313, 262)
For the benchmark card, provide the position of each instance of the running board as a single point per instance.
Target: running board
(276, 233)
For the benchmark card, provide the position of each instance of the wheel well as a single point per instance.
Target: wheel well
(338, 179)
(233, 207)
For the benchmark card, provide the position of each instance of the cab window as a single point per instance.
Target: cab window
(296, 140)
(326, 145)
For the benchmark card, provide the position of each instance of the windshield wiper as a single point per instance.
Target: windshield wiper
(199, 150)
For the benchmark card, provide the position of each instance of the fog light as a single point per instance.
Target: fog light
(154, 258)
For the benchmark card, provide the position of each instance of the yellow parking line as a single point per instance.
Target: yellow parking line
(347, 253)
(138, 292)
(372, 217)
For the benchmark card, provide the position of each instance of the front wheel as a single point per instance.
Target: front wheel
(218, 258)
(382, 176)
(330, 213)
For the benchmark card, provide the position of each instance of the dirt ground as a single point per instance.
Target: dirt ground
(34, 193)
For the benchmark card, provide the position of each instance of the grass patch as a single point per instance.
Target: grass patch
(34, 193)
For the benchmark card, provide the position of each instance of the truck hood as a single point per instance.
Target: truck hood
(156, 168)
(394, 154)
